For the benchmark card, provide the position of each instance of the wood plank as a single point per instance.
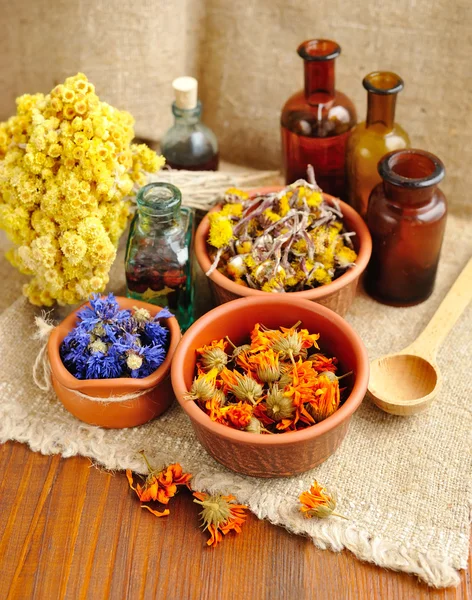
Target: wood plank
(69, 530)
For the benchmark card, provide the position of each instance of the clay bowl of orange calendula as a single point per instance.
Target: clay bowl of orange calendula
(337, 295)
(77, 395)
(287, 453)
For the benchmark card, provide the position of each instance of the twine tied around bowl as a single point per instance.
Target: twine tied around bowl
(42, 367)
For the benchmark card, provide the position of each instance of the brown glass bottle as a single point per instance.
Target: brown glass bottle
(406, 217)
(316, 121)
(372, 139)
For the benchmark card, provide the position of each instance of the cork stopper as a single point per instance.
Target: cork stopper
(186, 92)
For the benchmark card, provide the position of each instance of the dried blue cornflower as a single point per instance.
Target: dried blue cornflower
(106, 365)
(103, 315)
(152, 358)
(109, 342)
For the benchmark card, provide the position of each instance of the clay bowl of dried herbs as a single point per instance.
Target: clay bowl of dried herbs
(286, 453)
(334, 286)
(98, 401)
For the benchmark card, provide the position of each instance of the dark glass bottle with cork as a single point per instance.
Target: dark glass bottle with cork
(189, 144)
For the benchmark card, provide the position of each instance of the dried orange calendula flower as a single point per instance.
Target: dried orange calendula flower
(159, 486)
(220, 515)
(318, 502)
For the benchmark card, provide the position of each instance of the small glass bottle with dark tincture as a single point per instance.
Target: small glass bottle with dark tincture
(189, 144)
(406, 217)
(157, 263)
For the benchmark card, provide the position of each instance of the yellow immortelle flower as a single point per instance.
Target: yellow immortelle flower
(67, 165)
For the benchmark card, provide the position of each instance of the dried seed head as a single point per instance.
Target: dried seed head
(268, 369)
(134, 361)
(238, 349)
(255, 426)
(99, 330)
(202, 389)
(286, 377)
(329, 375)
(141, 315)
(278, 406)
(98, 346)
(289, 345)
(216, 358)
(247, 389)
(216, 510)
(219, 397)
(324, 510)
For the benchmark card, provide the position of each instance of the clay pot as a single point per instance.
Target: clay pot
(114, 414)
(285, 453)
(337, 295)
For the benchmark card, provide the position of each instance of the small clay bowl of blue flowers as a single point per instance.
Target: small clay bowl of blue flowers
(110, 361)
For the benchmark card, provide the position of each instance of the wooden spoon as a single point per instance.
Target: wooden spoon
(407, 382)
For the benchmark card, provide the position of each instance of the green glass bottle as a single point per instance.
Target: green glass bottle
(157, 263)
(373, 138)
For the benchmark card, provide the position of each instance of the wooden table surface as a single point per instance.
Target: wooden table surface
(69, 530)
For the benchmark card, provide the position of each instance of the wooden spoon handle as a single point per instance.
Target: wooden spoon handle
(450, 309)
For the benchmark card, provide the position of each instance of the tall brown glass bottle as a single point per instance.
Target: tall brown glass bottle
(316, 121)
(372, 139)
(406, 218)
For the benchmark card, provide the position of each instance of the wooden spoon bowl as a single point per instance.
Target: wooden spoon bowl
(407, 382)
(413, 380)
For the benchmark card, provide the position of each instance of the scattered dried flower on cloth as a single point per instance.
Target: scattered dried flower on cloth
(220, 515)
(159, 486)
(108, 342)
(287, 241)
(318, 502)
(278, 382)
(67, 165)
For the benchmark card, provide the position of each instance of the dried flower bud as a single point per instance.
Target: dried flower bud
(203, 388)
(278, 405)
(216, 358)
(289, 346)
(255, 426)
(247, 389)
(318, 502)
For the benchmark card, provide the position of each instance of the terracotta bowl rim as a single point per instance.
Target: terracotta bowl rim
(201, 419)
(357, 223)
(126, 384)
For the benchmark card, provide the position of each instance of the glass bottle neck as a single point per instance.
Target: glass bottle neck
(410, 177)
(186, 117)
(158, 207)
(319, 81)
(381, 109)
(158, 223)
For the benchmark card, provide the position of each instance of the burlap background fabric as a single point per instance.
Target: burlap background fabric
(403, 483)
(244, 55)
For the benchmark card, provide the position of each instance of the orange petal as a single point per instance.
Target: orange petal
(164, 513)
(129, 475)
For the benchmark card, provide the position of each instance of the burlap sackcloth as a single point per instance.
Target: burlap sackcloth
(403, 483)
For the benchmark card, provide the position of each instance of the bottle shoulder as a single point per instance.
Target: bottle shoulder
(382, 210)
(338, 115)
(376, 140)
